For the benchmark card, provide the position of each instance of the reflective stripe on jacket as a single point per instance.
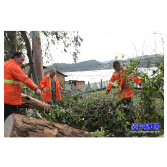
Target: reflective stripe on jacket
(126, 90)
(13, 76)
(12, 82)
(46, 83)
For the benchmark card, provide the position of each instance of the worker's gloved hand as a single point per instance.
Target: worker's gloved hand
(44, 89)
(107, 92)
(38, 92)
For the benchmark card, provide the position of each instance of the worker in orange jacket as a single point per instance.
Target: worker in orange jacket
(13, 76)
(126, 92)
(51, 87)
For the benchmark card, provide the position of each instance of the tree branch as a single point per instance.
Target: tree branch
(6, 39)
(158, 91)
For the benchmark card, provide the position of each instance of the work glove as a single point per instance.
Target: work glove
(107, 92)
(38, 92)
(44, 89)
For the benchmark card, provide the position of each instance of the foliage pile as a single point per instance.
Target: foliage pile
(100, 116)
(88, 114)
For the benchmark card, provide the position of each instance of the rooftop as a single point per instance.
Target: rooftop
(76, 81)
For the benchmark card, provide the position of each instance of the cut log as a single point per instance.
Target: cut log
(17, 125)
(30, 102)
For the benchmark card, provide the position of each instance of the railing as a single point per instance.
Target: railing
(91, 87)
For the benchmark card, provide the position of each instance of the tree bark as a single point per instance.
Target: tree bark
(17, 125)
(34, 103)
(29, 73)
(29, 54)
(37, 54)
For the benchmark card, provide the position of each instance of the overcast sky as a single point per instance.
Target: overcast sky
(105, 44)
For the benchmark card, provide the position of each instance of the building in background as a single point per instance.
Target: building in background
(74, 84)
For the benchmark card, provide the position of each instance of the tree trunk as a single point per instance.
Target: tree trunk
(29, 54)
(17, 125)
(37, 54)
(29, 73)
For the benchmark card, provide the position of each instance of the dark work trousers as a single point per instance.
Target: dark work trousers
(9, 109)
(53, 98)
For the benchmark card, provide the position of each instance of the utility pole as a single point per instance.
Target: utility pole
(37, 55)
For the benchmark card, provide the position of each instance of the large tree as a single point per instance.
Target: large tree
(22, 41)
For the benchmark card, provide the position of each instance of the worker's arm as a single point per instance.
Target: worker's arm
(110, 85)
(19, 75)
(137, 80)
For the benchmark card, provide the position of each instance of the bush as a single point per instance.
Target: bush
(91, 115)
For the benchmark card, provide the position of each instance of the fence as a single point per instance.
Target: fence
(90, 87)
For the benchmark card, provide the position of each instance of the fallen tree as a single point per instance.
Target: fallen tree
(30, 102)
(17, 125)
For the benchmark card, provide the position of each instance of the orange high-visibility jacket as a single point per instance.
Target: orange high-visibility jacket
(13, 76)
(126, 90)
(46, 83)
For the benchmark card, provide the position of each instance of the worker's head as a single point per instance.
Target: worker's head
(19, 58)
(52, 72)
(116, 66)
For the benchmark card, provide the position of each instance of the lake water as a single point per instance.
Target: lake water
(97, 75)
(91, 76)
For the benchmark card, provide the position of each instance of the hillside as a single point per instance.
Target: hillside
(90, 65)
(145, 60)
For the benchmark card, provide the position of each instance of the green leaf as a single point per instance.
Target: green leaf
(52, 41)
(65, 50)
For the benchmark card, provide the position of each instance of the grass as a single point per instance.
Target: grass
(103, 91)
(135, 93)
